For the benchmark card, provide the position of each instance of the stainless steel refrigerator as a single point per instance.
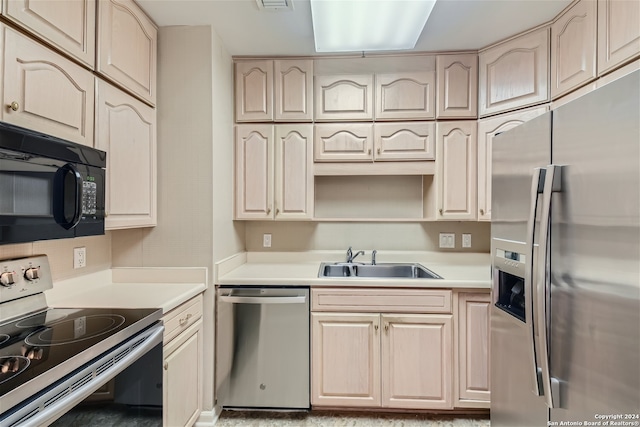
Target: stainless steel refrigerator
(565, 319)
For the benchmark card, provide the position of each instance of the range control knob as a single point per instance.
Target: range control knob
(7, 278)
(32, 273)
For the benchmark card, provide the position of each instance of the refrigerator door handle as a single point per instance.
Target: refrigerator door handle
(537, 186)
(552, 184)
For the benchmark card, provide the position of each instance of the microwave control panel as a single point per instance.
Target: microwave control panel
(89, 197)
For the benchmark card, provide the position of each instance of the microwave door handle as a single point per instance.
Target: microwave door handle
(537, 186)
(550, 385)
(58, 208)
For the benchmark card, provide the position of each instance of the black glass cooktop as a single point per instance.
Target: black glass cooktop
(32, 345)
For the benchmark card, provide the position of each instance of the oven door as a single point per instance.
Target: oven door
(43, 198)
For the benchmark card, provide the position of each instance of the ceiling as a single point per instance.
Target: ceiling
(247, 30)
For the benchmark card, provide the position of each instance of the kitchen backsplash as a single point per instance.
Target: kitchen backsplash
(60, 253)
(305, 236)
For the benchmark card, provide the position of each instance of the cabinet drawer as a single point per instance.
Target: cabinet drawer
(180, 318)
(382, 300)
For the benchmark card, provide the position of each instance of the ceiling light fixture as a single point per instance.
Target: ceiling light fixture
(366, 25)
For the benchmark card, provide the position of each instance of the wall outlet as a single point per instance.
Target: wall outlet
(266, 240)
(466, 240)
(79, 257)
(448, 240)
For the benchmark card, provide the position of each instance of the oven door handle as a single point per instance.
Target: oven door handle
(59, 196)
(264, 300)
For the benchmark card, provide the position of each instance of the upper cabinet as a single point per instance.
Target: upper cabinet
(292, 82)
(44, 91)
(126, 130)
(405, 96)
(618, 33)
(294, 90)
(343, 97)
(254, 91)
(69, 25)
(404, 141)
(343, 142)
(573, 48)
(457, 86)
(127, 45)
(514, 74)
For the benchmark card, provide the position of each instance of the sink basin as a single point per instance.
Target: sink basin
(383, 270)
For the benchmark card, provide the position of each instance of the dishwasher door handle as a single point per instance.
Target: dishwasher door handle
(263, 300)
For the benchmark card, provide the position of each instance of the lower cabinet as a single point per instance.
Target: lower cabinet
(182, 364)
(389, 360)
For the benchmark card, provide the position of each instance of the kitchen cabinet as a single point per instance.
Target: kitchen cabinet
(127, 47)
(404, 141)
(473, 346)
(258, 174)
(618, 33)
(126, 130)
(387, 348)
(183, 364)
(456, 164)
(514, 73)
(343, 142)
(343, 97)
(405, 96)
(487, 129)
(44, 91)
(254, 91)
(573, 48)
(69, 25)
(294, 90)
(457, 86)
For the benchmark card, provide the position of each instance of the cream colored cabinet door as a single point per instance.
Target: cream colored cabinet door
(618, 33)
(457, 86)
(417, 358)
(405, 96)
(182, 378)
(456, 171)
(343, 97)
(45, 92)
(487, 130)
(345, 360)
(254, 172)
(126, 130)
(514, 74)
(404, 141)
(127, 47)
(343, 142)
(294, 172)
(254, 91)
(473, 350)
(573, 48)
(293, 90)
(70, 25)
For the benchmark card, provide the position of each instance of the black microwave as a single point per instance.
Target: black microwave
(49, 188)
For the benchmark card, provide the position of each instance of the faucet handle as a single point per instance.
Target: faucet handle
(373, 256)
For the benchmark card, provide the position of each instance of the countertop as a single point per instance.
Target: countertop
(129, 288)
(458, 270)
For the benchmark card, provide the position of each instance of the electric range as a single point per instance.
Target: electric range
(53, 358)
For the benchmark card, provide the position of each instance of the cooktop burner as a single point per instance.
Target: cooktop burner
(3, 338)
(10, 366)
(74, 330)
(40, 319)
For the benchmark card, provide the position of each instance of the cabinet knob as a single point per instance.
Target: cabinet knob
(386, 327)
(277, 212)
(14, 106)
(375, 327)
(379, 151)
(166, 366)
(440, 210)
(481, 211)
(183, 321)
(268, 210)
(369, 152)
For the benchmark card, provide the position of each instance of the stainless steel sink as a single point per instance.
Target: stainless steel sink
(382, 270)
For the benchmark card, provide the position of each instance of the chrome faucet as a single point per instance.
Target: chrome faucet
(351, 256)
(373, 257)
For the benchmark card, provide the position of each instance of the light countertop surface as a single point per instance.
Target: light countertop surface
(458, 270)
(128, 288)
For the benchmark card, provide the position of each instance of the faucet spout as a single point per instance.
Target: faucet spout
(351, 256)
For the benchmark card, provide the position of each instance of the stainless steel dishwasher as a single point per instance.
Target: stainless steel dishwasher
(262, 348)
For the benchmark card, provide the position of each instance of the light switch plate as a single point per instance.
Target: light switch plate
(466, 240)
(448, 240)
(266, 240)
(79, 257)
